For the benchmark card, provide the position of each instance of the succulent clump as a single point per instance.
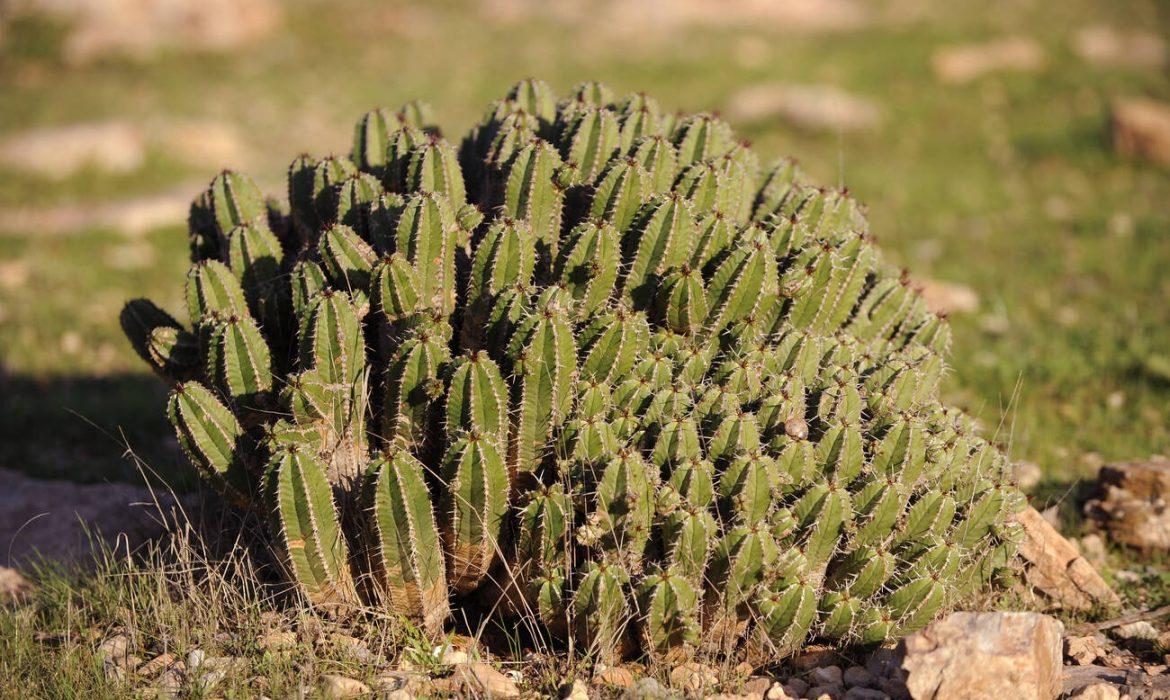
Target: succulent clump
(596, 366)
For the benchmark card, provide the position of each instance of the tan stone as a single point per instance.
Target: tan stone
(1084, 650)
(280, 640)
(815, 656)
(948, 298)
(156, 665)
(1098, 691)
(337, 687)
(115, 650)
(14, 587)
(778, 692)
(140, 27)
(972, 656)
(132, 217)
(964, 63)
(1113, 48)
(693, 677)
(1092, 548)
(478, 677)
(204, 144)
(614, 19)
(577, 690)
(1056, 569)
(757, 686)
(354, 648)
(809, 107)
(1130, 504)
(1027, 474)
(58, 152)
(616, 677)
(451, 657)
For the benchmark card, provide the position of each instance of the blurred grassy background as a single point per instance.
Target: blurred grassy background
(1006, 184)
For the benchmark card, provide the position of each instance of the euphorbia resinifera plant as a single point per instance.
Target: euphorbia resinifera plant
(596, 366)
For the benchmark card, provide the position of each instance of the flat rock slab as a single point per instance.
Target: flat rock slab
(1057, 570)
(1131, 500)
(996, 655)
(64, 522)
(1135, 683)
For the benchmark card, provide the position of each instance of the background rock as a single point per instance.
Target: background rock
(1109, 47)
(1130, 503)
(1132, 682)
(57, 153)
(966, 62)
(1141, 129)
(809, 107)
(140, 27)
(969, 656)
(1056, 569)
(617, 17)
(203, 144)
(1027, 474)
(948, 297)
(14, 588)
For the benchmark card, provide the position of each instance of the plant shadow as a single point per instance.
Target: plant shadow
(83, 429)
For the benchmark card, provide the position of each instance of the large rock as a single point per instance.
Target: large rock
(966, 62)
(1130, 503)
(995, 655)
(1056, 569)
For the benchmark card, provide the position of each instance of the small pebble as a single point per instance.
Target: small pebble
(578, 690)
(894, 688)
(795, 687)
(827, 676)
(616, 677)
(757, 686)
(334, 686)
(777, 692)
(858, 677)
(1136, 630)
(884, 663)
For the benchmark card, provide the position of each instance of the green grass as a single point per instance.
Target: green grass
(1007, 185)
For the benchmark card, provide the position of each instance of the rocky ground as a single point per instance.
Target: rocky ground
(1014, 156)
(964, 655)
